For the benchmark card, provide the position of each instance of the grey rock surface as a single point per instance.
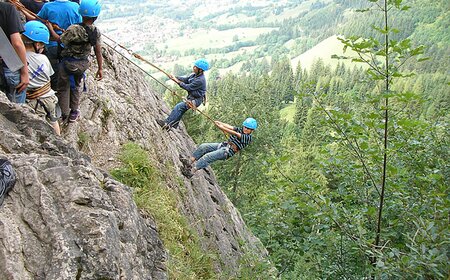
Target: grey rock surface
(67, 219)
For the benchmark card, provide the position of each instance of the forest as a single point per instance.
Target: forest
(348, 174)
(354, 182)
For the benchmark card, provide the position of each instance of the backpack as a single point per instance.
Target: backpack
(7, 178)
(91, 34)
(81, 38)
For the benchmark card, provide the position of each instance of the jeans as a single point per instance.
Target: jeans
(12, 80)
(178, 111)
(208, 153)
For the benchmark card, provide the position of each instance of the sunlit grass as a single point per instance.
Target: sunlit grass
(288, 113)
(186, 258)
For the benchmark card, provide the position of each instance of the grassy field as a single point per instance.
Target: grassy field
(324, 50)
(232, 19)
(211, 38)
(170, 35)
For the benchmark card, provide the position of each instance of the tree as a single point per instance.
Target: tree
(282, 79)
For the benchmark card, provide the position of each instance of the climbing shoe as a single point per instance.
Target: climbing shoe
(74, 115)
(185, 161)
(187, 172)
(162, 124)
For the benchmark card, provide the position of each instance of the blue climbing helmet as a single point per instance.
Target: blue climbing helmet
(202, 64)
(36, 31)
(250, 123)
(90, 8)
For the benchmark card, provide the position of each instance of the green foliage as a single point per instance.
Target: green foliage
(83, 140)
(282, 80)
(187, 260)
(311, 190)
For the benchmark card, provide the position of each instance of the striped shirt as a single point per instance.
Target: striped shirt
(240, 143)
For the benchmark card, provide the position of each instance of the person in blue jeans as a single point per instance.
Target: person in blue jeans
(16, 81)
(195, 85)
(208, 153)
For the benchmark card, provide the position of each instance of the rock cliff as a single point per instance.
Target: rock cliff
(67, 218)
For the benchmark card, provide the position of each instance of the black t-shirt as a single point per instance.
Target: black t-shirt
(9, 19)
(32, 5)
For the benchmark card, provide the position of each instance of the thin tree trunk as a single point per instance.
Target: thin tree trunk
(386, 120)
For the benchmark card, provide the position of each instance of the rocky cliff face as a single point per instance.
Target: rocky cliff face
(67, 218)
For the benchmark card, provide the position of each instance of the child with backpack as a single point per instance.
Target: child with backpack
(208, 153)
(77, 42)
(40, 96)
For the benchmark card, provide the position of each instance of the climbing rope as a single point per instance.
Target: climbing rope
(156, 67)
(24, 10)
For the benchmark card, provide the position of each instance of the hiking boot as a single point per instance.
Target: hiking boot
(185, 161)
(162, 124)
(74, 115)
(187, 172)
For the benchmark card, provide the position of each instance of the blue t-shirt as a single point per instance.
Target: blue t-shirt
(61, 12)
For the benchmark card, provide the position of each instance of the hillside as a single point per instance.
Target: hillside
(347, 175)
(227, 33)
(67, 218)
(324, 50)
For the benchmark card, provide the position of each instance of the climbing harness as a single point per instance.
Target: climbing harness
(35, 93)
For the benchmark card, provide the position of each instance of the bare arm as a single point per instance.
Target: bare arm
(99, 57)
(53, 35)
(28, 15)
(19, 47)
(227, 129)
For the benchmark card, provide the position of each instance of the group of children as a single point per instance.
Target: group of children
(54, 61)
(54, 79)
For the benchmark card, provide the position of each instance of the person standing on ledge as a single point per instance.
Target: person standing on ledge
(18, 80)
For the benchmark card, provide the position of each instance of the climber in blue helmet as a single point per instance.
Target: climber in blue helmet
(39, 95)
(78, 41)
(195, 85)
(208, 153)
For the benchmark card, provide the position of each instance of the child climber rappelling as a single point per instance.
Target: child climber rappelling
(195, 85)
(208, 153)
